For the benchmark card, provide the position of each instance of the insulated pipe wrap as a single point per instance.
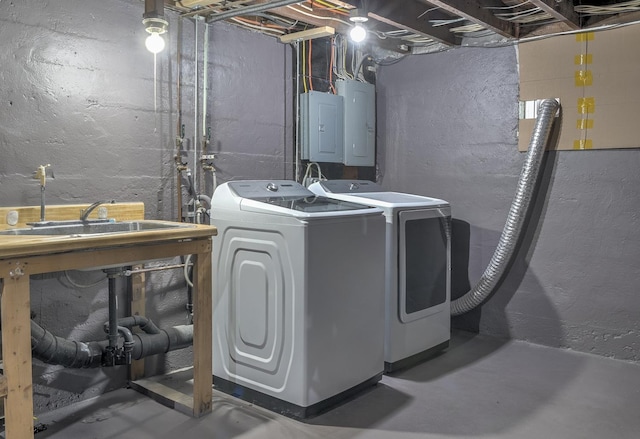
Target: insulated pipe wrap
(517, 213)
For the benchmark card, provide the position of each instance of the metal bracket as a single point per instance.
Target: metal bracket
(18, 271)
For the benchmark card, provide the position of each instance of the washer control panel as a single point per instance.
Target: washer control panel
(254, 189)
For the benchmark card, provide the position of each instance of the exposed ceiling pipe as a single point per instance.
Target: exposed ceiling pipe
(517, 213)
(261, 7)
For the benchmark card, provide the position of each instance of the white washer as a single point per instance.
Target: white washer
(417, 267)
(298, 299)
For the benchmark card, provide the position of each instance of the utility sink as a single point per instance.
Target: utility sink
(79, 228)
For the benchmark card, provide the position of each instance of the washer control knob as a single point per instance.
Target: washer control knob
(272, 187)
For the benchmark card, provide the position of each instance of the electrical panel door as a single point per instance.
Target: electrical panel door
(359, 122)
(321, 127)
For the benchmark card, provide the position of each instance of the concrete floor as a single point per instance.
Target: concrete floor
(480, 387)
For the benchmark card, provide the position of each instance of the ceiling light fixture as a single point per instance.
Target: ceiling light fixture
(358, 33)
(155, 24)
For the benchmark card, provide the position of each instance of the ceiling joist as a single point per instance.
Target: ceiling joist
(477, 12)
(560, 10)
(400, 24)
(408, 15)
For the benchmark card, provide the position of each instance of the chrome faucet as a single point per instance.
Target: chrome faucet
(84, 214)
(41, 174)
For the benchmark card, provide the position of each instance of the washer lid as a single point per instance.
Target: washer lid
(284, 197)
(372, 194)
(306, 207)
(350, 186)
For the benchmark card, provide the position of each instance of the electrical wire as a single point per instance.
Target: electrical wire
(468, 28)
(617, 8)
(78, 285)
(320, 17)
(544, 37)
(304, 61)
(310, 70)
(331, 58)
(269, 31)
(308, 174)
(329, 7)
(517, 5)
(185, 270)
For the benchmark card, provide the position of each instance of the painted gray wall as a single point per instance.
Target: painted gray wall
(447, 127)
(76, 91)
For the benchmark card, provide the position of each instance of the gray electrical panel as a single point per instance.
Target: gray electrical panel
(321, 127)
(359, 122)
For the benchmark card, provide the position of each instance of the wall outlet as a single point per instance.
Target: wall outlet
(12, 217)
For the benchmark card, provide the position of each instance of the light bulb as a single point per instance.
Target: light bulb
(358, 33)
(154, 43)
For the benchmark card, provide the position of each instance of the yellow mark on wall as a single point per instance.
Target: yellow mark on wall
(580, 60)
(583, 144)
(583, 78)
(585, 124)
(587, 36)
(586, 105)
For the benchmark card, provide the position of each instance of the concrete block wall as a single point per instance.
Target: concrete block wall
(447, 127)
(77, 91)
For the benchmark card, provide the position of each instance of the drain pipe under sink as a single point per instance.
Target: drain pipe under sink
(517, 213)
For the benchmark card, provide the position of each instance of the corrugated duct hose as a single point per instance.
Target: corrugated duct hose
(517, 213)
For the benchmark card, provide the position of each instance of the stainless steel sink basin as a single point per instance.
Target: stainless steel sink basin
(92, 228)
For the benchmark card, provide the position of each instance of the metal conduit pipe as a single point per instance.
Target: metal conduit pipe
(52, 349)
(517, 213)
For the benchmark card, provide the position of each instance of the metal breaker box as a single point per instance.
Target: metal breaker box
(321, 127)
(359, 122)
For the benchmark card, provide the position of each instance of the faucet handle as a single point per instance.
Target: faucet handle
(41, 174)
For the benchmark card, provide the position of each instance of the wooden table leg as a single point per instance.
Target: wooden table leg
(16, 352)
(202, 335)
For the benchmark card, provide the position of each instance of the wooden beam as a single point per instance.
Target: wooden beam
(604, 20)
(342, 25)
(562, 11)
(16, 352)
(192, 3)
(476, 12)
(309, 34)
(409, 15)
(338, 22)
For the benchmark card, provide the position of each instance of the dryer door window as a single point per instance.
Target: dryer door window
(424, 254)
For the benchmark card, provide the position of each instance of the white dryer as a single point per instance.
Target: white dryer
(417, 268)
(298, 296)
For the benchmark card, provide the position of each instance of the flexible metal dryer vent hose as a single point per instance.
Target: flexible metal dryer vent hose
(517, 213)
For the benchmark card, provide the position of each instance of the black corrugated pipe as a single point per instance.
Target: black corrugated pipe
(52, 349)
(56, 350)
(517, 213)
(140, 321)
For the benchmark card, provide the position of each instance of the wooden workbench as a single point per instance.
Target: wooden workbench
(22, 256)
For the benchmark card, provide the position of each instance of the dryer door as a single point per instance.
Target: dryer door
(423, 263)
